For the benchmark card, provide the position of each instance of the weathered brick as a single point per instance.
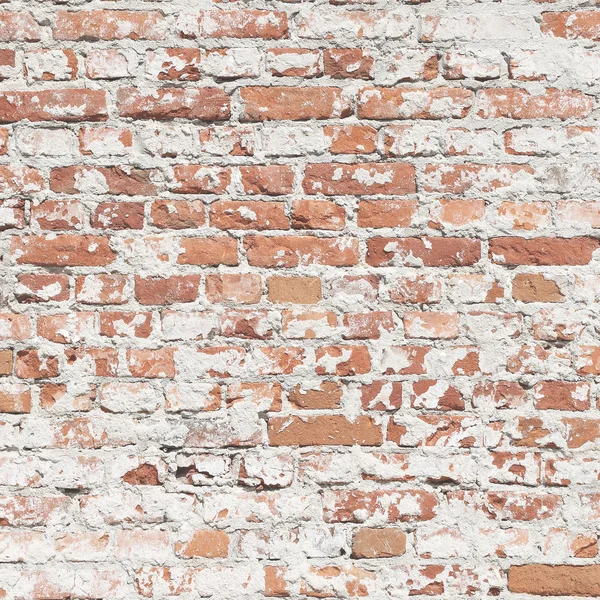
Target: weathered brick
(418, 252)
(94, 25)
(53, 105)
(542, 250)
(515, 103)
(291, 251)
(409, 103)
(62, 250)
(555, 580)
(206, 104)
(293, 103)
(361, 179)
(330, 430)
(378, 543)
(16, 26)
(297, 290)
(268, 25)
(571, 25)
(299, 300)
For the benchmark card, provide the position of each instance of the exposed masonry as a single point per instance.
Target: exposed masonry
(299, 299)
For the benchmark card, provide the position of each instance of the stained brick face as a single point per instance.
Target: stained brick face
(299, 299)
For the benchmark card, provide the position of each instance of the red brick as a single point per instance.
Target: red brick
(457, 213)
(42, 288)
(58, 215)
(272, 180)
(245, 288)
(580, 214)
(169, 290)
(526, 216)
(297, 290)
(534, 287)
(91, 25)
(257, 394)
(151, 363)
(365, 287)
(321, 23)
(500, 394)
(15, 398)
(432, 325)
(204, 543)
(562, 395)
(32, 364)
(416, 290)
(239, 23)
(7, 70)
(295, 104)
(326, 395)
(198, 179)
(279, 361)
(208, 251)
(229, 214)
(332, 430)
(233, 141)
(348, 63)
(317, 214)
(386, 213)
(462, 64)
(352, 506)
(343, 361)
(206, 104)
(100, 141)
(550, 325)
(56, 397)
(107, 64)
(125, 324)
(438, 430)
(368, 325)
(16, 26)
(67, 328)
(381, 395)
(100, 362)
(174, 64)
(62, 250)
(378, 543)
(249, 324)
(555, 580)
(292, 251)
(103, 288)
(308, 324)
(429, 252)
(118, 215)
(410, 103)
(436, 395)
(542, 250)
(50, 65)
(177, 214)
(516, 103)
(103, 180)
(362, 179)
(457, 179)
(572, 25)
(351, 139)
(53, 105)
(20, 180)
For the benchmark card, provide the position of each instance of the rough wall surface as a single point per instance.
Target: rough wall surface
(299, 299)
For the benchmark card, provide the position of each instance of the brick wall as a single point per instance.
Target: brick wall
(299, 299)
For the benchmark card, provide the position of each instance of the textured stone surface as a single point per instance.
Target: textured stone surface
(299, 299)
